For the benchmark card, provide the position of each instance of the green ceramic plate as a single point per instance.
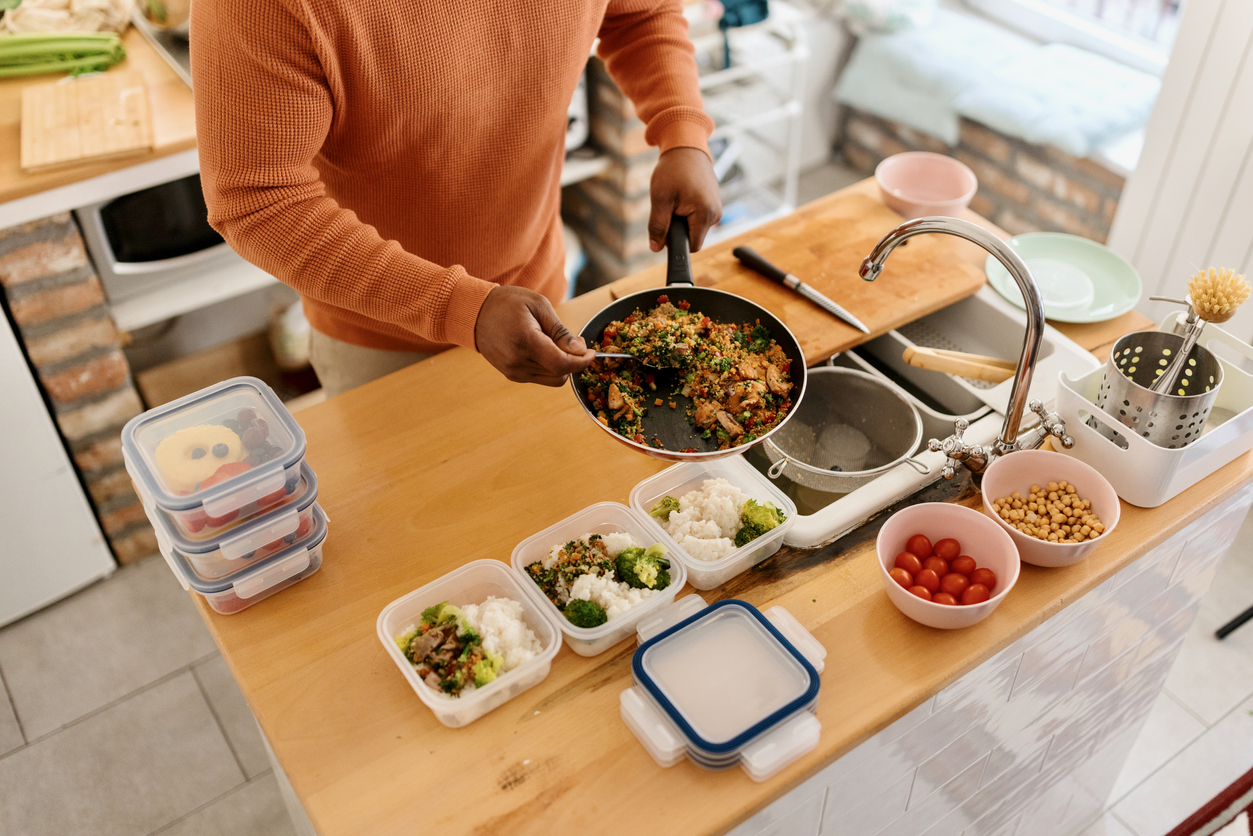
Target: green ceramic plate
(1080, 280)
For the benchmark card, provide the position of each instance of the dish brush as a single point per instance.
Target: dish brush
(1215, 295)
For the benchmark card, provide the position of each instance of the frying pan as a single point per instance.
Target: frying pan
(672, 426)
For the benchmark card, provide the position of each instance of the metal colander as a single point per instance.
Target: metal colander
(1167, 420)
(850, 428)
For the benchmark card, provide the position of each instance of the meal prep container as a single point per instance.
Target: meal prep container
(981, 538)
(725, 685)
(259, 538)
(601, 518)
(205, 430)
(240, 590)
(682, 478)
(471, 584)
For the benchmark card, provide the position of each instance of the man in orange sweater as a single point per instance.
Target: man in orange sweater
(398, 162)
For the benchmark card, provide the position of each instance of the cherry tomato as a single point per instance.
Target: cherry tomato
(936, 564)
(954, 584)
(984, 576)
(944, 598)
(921, 591)
(902, 577)
(948, 548)
(928, 579)
(976, 593)
(909, 562)
(963, 565)
(919, 545)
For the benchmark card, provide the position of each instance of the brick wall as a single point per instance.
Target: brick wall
(1022, 187)
(56, 300)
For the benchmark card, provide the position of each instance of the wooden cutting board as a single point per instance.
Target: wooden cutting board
(86, 119)
(823, 244)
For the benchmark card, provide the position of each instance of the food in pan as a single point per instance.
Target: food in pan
(942, 574)
(1055, 513)
(735, 374)
(458, 649)
(716, 519)
(596, 578)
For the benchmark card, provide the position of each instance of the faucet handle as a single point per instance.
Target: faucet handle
(957, 451)
(1051, 424)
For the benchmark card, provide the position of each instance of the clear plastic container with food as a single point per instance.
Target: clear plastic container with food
(683, 479)
(473, 583)
(603, 518)
(725, 685)
(240, 590)
(216, 458)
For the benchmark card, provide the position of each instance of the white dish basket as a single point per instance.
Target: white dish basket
(1142, 473)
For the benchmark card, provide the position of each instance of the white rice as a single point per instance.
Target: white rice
(499, 622)
(707, 520)
(614, 596)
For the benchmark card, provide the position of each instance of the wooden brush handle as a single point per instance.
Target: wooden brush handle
(974, 366)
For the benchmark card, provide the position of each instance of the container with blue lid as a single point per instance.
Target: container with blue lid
(725, 684)
(214, 459)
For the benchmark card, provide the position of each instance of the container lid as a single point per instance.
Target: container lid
(221, 447)
(725, 676)
(260, 576)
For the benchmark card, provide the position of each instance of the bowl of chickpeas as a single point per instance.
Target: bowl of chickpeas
(1054, 507)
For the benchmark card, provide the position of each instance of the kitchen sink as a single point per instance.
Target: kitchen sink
(981, 324)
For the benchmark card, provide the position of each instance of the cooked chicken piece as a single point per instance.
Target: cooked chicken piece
(424, 644)
(730, 424)
(616, 401)
(745, 394)
(750, 368)
(706, 411)
(432, 680)
(774, 379)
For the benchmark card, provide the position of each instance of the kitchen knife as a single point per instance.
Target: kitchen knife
(753, 260)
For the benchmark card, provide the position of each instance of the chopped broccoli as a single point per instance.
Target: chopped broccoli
(486, 669)
(756, 520)
(405, 639)
(644, 568)
(441, 613)
(664, 508)
(582, 613)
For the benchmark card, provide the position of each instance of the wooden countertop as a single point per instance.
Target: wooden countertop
(173, 122)
(447, 462)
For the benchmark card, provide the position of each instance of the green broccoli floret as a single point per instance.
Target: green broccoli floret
(644, 568)
(441, 613)
(582, 613)
(756, 520)
(664, 508)
(486, 669)
(405, 639)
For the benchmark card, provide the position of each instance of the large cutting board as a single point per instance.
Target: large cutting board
(87, 119)
(823, 243)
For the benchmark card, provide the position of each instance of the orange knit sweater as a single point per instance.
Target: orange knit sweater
(392, 160)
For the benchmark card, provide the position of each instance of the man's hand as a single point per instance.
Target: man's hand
(519, 333)
(683, 184)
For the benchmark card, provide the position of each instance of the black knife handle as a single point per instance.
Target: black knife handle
(754, 260)
(679, 257)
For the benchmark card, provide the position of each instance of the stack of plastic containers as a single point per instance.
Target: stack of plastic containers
(222, 476)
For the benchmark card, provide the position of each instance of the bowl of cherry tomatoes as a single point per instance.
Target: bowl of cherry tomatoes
(945, 565)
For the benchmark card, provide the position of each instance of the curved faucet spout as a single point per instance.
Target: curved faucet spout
(872, 266)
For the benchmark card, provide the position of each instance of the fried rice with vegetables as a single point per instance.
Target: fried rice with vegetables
(735, 374)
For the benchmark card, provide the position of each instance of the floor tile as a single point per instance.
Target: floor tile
(136, 766)
(10, 731)
(232, 711)
(1168, 729)
(1193, 777)
(821, 180)
(255, 809)
(1107, 825)
(100, 645)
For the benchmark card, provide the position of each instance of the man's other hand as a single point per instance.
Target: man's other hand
(683, 184)
(519, 333)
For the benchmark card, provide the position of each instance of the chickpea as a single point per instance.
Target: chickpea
(1054, 512)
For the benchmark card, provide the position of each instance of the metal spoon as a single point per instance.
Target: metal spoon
(606, 355)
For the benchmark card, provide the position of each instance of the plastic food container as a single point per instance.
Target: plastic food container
(216, 458)
(262, 536)
(725, 685)
(242, 589)
(682, 478)
(601, 518)
(471, 584)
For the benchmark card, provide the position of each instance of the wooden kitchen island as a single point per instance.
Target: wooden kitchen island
(968, 730)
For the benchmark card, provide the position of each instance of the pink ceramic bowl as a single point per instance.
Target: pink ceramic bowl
(918, 183)
(1019, 471)
(981, 538)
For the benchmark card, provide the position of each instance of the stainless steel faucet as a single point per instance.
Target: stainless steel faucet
(976, 457)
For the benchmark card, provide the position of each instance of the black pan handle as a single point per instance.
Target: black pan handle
(754, 260)
(679, 258)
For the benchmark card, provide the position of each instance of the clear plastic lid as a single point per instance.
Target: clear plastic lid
(725, 676)
(216, 447)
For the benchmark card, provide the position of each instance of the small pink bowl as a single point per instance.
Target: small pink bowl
(918, 183)
(981, 538)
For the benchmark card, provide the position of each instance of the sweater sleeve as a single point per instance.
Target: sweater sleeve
(647, 51)
(263, 111)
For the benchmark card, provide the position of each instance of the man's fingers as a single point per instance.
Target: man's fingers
(544, 344)
(659, 219)
(699, 223)
(556, 331)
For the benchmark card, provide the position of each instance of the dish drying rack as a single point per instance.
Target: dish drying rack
(1142, 473)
